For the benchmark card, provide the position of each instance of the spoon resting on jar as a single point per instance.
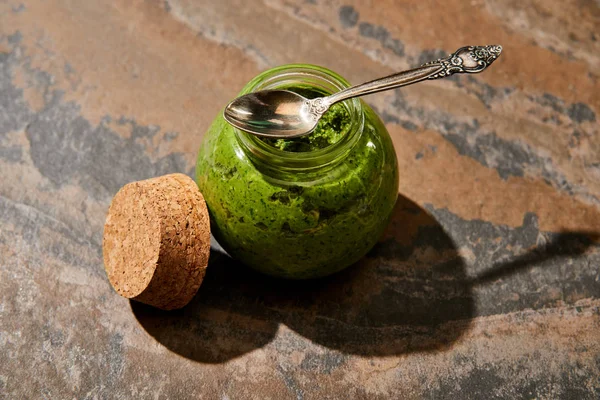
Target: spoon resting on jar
(285, 114)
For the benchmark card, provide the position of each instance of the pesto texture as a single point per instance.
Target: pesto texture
(307, 224)
(332, 126)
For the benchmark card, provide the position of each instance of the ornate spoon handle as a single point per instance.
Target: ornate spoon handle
(469, 59)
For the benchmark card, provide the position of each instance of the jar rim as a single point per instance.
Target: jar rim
(316, 77)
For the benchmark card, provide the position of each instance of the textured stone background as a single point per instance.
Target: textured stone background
(486, 285)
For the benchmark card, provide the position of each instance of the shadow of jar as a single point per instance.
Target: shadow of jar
(410, 293)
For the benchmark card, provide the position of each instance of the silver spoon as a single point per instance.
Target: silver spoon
(285, 114)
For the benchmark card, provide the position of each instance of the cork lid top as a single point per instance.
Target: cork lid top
(157, 241)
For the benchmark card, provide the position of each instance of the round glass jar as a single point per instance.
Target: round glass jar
(306, 214)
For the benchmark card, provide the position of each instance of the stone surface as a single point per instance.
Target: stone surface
(486, 285)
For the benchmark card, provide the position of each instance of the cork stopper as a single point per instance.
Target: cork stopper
(157, 241)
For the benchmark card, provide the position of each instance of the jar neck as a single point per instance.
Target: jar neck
(274, 160)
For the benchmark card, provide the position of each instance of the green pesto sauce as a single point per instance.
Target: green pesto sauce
(303, 226)
(332, 126)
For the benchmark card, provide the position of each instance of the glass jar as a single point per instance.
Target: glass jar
(299, 214)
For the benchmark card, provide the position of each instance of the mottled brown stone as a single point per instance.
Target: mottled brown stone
(485, 286)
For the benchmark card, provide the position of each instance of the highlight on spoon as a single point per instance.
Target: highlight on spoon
(270, 113)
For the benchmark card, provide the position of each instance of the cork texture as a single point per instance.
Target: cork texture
(157, 241)
(485, 286)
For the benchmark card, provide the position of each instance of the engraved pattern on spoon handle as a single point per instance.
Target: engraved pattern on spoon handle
(468, 59)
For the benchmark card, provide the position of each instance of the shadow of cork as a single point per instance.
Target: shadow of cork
(410, 293)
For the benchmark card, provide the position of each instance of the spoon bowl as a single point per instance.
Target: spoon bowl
(271, 113)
